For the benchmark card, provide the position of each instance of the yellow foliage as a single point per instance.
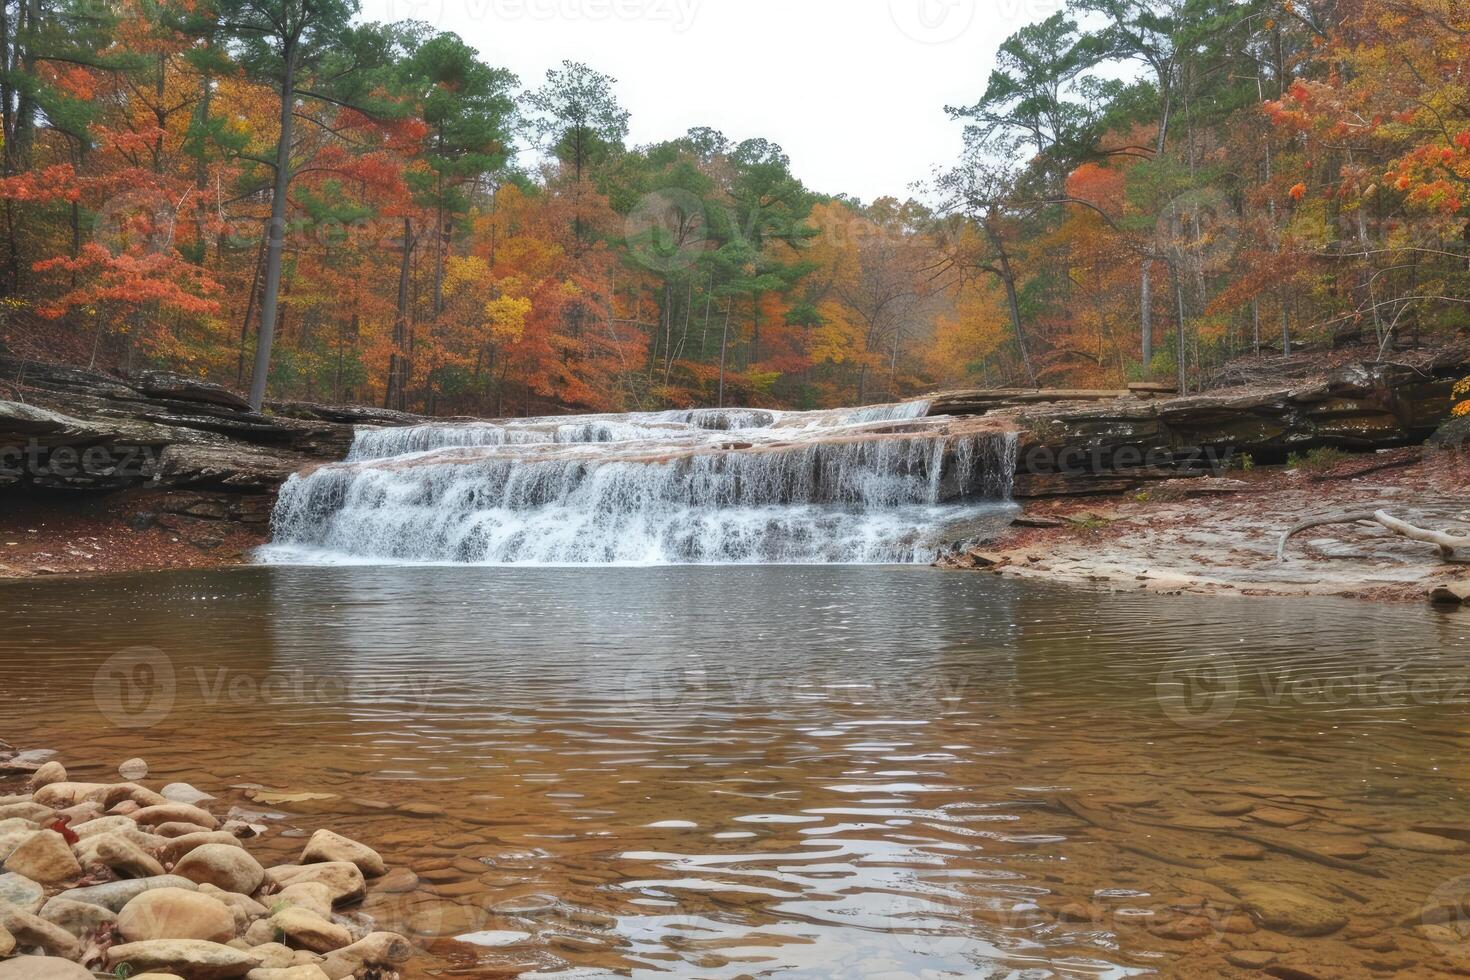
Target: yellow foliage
(507, 315)
(471, 270)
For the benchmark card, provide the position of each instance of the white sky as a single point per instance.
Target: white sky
(853, 91)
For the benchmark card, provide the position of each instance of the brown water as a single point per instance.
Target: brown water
(799, 772)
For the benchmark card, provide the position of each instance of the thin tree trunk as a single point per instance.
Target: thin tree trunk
(1146, 313)
(276, 234)
(249, 310)
(724, 344)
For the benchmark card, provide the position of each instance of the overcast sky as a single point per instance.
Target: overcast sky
(854, 91)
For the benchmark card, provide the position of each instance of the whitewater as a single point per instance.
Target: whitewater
(881, 484)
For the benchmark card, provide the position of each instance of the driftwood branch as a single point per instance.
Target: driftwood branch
(1447, 543)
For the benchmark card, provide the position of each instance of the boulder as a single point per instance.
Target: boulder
(224, 866)
(119, 854)
(13, 838)
(308, 971)
(376, 950)
(43, 968)
(275, 956)
(175, 913)
(303, 929)
(21, 892)
(115, 895)
(7, 942)
(175, 813)
(103, 825)
(33, 931)
(172, 850)
(33, 812)
(344, 880)
(192, 958)
(326, 846)
(310, 895)
(178, 828)
(64, 794)
(46, 858)
(126, 792)
(51, 772)
(81, 919)
(84, 812)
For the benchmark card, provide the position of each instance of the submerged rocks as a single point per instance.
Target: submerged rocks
(1287, 910)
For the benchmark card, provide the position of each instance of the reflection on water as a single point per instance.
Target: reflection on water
(800, 772)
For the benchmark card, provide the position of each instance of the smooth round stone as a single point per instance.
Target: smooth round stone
(133, 770)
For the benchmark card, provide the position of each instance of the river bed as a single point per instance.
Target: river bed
(807, 772)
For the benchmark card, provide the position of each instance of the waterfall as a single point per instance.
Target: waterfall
(879, 484)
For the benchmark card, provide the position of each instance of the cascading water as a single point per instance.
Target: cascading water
(878, 484)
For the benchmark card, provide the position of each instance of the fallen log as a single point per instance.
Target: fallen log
(1447, 543)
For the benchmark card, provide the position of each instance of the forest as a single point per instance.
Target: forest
(277, 196)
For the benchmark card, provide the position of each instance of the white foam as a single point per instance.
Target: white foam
(874, 485)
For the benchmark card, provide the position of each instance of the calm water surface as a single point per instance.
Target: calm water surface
(796, 772)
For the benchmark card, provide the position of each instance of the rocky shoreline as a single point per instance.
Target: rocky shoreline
(153, 885)
(1219, 536)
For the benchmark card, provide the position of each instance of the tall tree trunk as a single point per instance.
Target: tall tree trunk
(250, 308)
(1146, 312)
(276, 234)
(396, 395)
(724, 345)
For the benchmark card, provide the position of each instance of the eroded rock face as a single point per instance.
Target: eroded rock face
(1095, 446)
